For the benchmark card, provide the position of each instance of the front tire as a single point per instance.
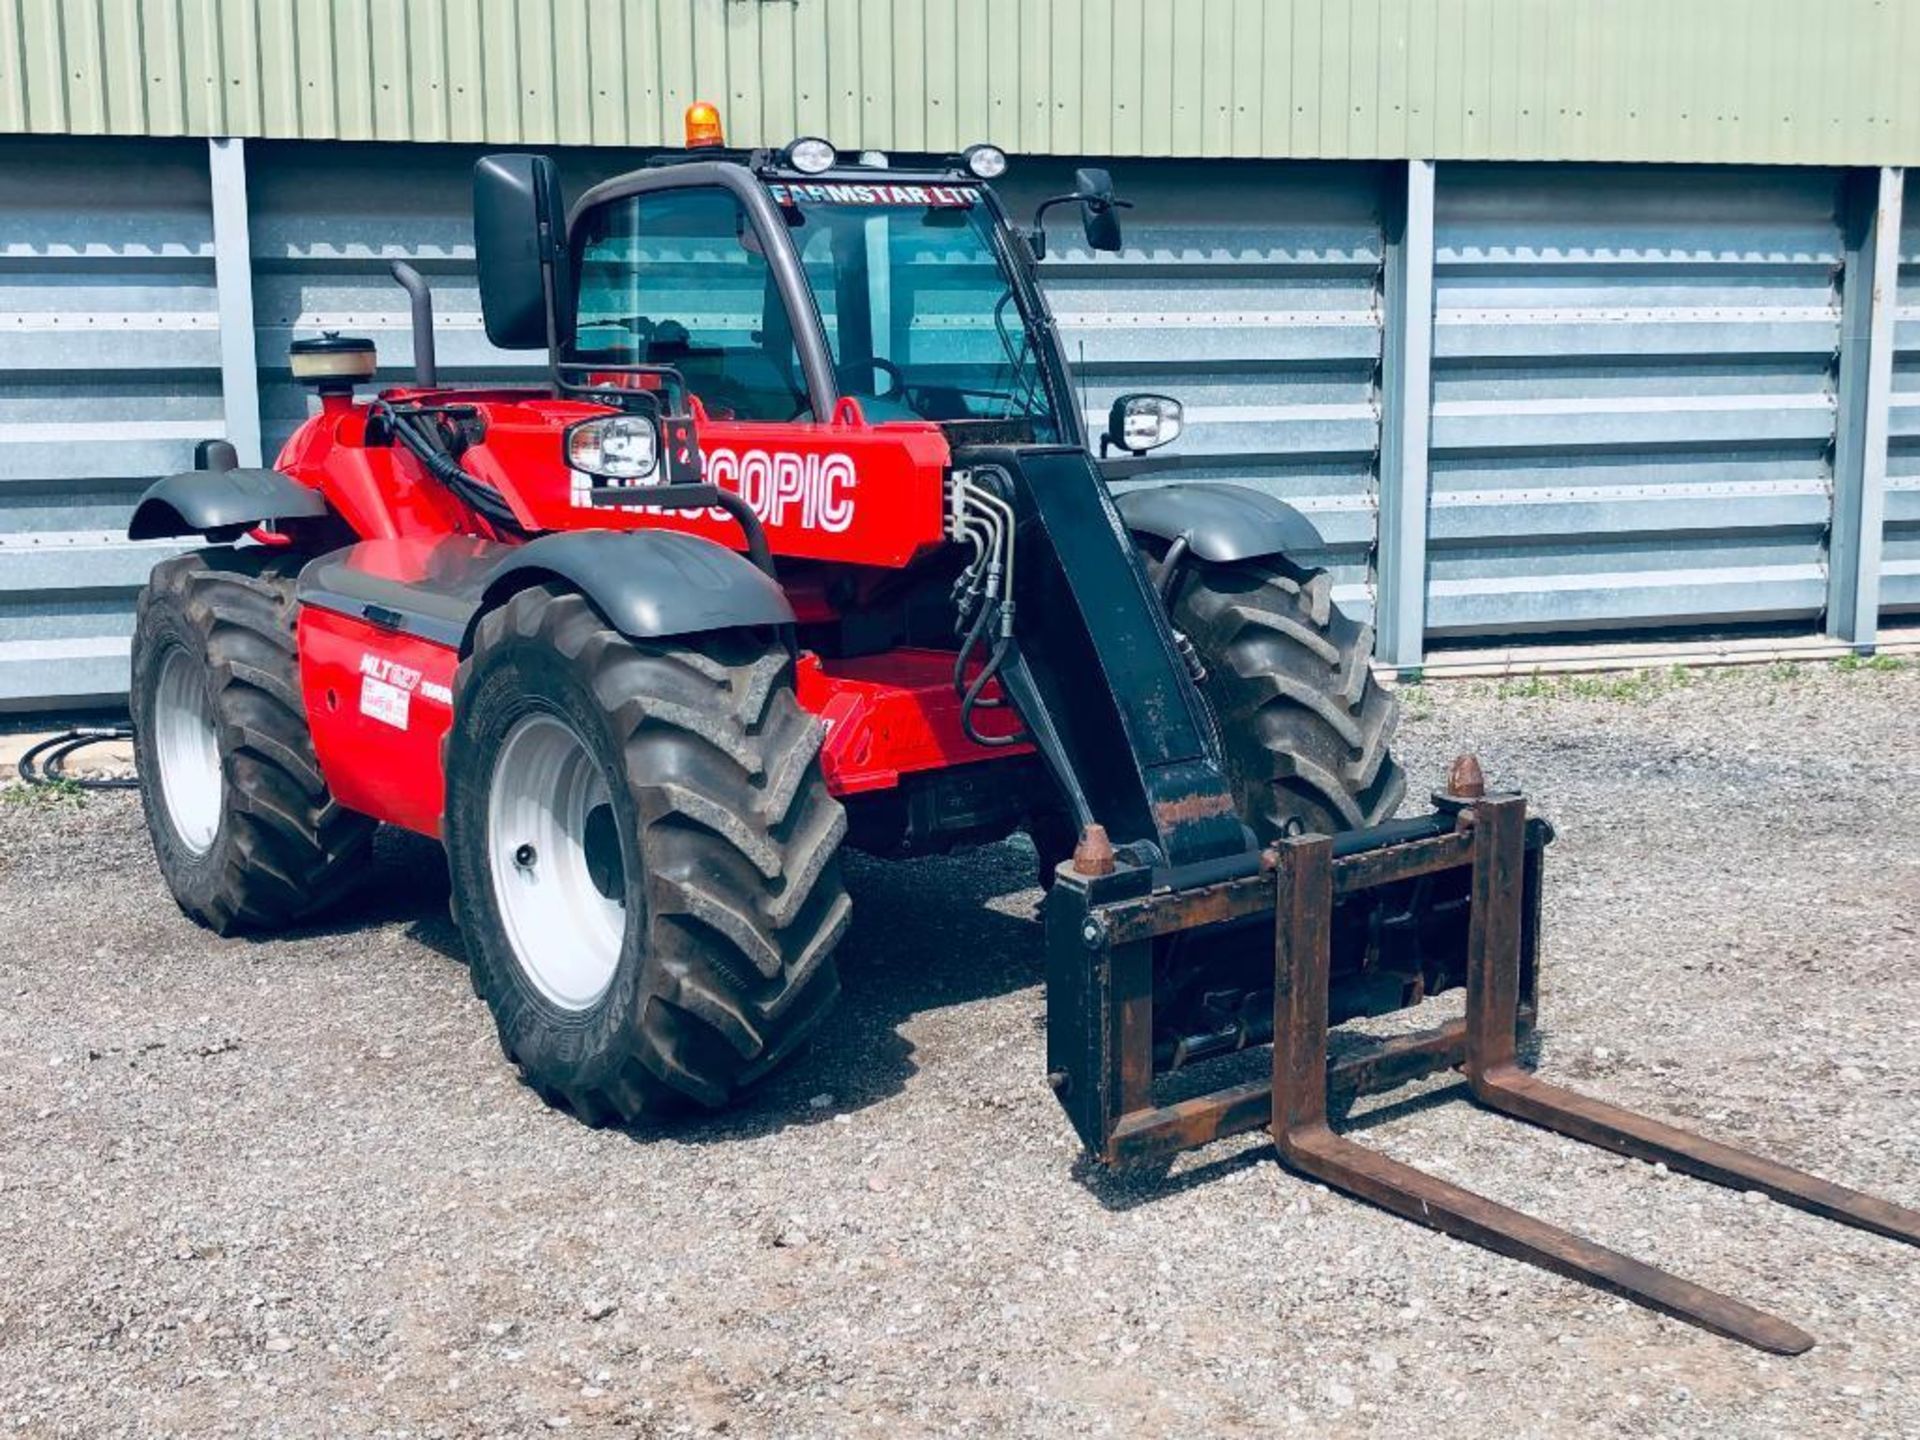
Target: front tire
(644, 856)
(246, 832)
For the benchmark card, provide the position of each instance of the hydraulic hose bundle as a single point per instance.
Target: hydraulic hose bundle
(417, 428)
(44, 763)
(981, 518)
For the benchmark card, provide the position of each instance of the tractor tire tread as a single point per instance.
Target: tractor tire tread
(286, 849)
(738, 839)
(1307, 729)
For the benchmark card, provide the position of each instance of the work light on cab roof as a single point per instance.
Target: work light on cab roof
(811, 155)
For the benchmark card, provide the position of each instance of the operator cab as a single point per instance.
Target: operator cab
(912, 291)
(771, 285)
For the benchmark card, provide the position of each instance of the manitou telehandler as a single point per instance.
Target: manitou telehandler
(802, 543)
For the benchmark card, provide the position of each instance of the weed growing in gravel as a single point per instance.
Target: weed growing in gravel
(52, 794)
(1848, 664)
(1416, 701)
(1631, 687)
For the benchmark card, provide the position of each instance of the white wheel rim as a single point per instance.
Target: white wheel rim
(556, 861)
(186, 742)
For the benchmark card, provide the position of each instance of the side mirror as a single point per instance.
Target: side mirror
(1099, 207)
(1139, 423)
(1099, 210)
(520, 241)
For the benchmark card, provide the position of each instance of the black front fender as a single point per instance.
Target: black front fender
(1222, 523)
(648, 583)
(202, 502)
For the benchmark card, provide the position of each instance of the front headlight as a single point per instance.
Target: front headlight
(1138, 423)
(619, 447)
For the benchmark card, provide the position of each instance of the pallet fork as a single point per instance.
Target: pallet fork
(1104, 922)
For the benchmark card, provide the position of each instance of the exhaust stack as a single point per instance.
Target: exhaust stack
(425, 372)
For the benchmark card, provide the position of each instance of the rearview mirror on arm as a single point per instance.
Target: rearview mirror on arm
(1099, 213)
(520, 244)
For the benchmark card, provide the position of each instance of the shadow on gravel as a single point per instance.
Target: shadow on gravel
(405, 880)
(927, 934)
(924, 937)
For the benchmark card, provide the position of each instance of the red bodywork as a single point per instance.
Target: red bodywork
(858, 500)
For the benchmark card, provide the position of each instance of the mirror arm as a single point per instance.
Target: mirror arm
(1037, 236)
(1040, 210)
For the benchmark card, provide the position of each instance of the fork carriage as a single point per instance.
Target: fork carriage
(1447, 901)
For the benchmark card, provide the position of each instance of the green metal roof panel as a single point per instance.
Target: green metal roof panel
(1739, 81)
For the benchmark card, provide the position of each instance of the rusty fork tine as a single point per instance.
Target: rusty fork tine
(1513, 1092)
(1493, 979)
(1305, 1143)
(1318, 1152)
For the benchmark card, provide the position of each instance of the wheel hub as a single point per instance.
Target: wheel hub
(555, 856)
(186, 743)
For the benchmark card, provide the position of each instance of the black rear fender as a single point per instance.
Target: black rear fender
(221, 504)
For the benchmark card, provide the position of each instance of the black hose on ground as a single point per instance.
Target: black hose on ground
(44, 763)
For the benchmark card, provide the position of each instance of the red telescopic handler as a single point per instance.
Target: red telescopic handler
(803, 543)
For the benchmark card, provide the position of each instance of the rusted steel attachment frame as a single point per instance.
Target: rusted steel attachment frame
(1102, 922)
(1306, 1143)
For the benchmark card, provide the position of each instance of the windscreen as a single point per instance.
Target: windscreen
(916, 303)
(678, 277)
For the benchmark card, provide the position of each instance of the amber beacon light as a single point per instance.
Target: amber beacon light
(703, 126)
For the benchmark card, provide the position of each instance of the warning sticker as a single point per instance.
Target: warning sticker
(383, 702)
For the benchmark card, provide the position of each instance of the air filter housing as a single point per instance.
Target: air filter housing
(333, 364)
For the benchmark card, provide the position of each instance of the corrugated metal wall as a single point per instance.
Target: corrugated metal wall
(1634, 418)
(1252, 292)
(109, 372)
(1633, 395)
(1900, 569)
(1747, 81)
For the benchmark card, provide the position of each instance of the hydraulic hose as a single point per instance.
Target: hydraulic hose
(44, 763)
(426, 448)
(1002, 647)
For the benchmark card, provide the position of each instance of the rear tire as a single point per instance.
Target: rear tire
(1305, 727)
(644, 856)
(245, 830)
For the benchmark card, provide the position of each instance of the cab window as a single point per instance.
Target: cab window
(919, 311)
(678, 278)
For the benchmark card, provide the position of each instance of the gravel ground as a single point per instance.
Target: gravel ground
(290, 1187)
